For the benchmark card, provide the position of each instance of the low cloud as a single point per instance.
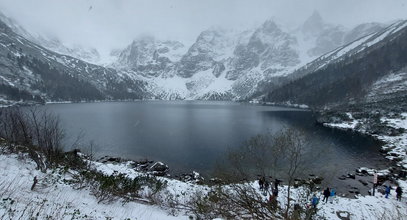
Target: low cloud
(109, 24)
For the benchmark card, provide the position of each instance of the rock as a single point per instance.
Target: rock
(108, 159)
(143, 164)
(365, 171)
(317, 180)
(74, 152)
(351, 176)
(142, 161)
(343, 177)
(343, 215)
(193, 177)
(363, 182)
(114, 159)
(216, 181)
(159, 169)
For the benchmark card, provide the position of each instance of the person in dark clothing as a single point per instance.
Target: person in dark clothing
(34, 183)
(399, 191)
(276, 182)
(275, 192)
(327, 193)
(266, 185)
(261, 183)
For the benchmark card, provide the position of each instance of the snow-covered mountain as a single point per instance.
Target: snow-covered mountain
(150, 57)
(32, 72)
(370, 69)
(220, 64)
(231, 64)
(90, 55)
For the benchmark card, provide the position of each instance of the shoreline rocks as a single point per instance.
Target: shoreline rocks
(159, 169)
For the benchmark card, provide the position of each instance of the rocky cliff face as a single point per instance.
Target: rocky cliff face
(150, 57)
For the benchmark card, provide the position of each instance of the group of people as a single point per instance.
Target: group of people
(329, 195)
(265, 185)
(399, 192)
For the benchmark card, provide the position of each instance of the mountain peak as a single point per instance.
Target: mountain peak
(313, 24)
(270, 25)
(316, 16)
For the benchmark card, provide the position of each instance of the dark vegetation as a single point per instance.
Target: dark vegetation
(59, 85)
(13, 93)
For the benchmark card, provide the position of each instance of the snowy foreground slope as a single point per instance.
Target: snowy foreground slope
(53, 198)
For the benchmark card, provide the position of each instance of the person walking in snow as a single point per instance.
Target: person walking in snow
(34, 183)
(326, 193)
(314, 201)
(332, 195)
(399, 191)
(261, 183)
(276, 182)
(275, 192)
(266, 185)
(387, 191)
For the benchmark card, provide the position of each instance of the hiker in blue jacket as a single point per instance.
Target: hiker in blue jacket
(314, 201)
(387, 191)
(331, 197)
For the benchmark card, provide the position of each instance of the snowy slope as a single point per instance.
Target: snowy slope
(355, 47)
(53, 197)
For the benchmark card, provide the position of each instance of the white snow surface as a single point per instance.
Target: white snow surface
(399, 142)
(53, 197)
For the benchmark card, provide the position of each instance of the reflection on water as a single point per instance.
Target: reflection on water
(193, 135)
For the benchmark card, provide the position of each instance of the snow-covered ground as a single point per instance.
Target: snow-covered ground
(54, 198)
(398, 143)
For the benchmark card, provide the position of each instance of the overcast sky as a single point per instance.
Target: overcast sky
(108, 24)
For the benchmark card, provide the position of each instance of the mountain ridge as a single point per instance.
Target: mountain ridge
(221, 65)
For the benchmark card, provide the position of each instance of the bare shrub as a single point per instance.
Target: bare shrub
(37, 130)
(278, 155)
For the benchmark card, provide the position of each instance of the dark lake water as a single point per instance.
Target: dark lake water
(192, 135)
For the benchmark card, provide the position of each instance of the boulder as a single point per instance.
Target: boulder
(351, 176)
(363, 182)
(193, 177)
(159, 169)
(108, 159)
(343, 177)
(343, 215)
(317, 180)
